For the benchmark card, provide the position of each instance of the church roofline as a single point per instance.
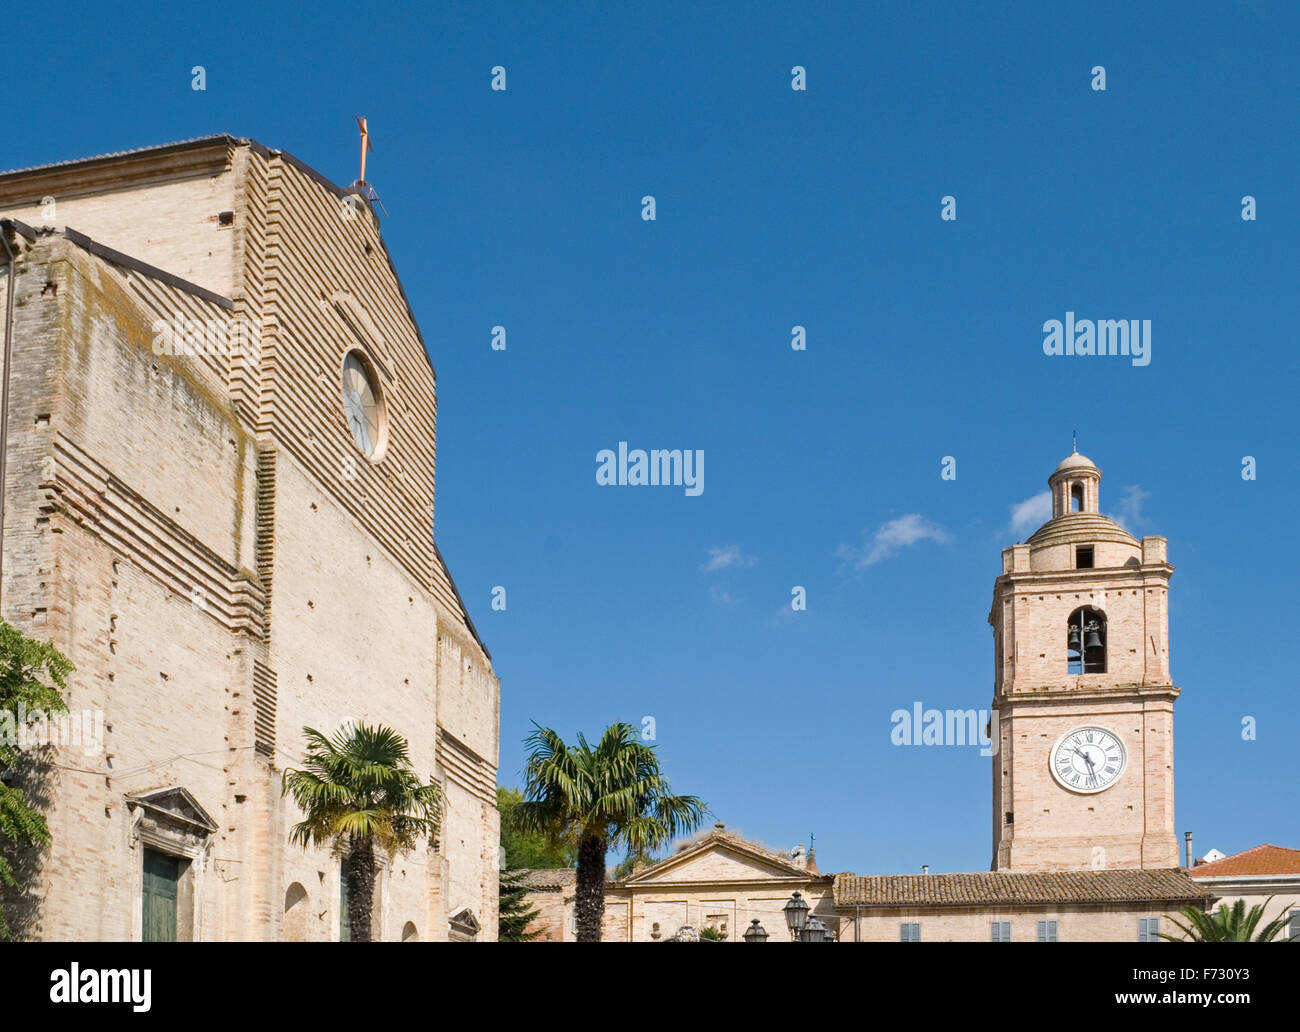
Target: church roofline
(460, 601)
(161, 154)
(138, 155)
(152, 150)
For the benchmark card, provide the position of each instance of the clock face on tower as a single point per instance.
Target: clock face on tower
(1088, 759)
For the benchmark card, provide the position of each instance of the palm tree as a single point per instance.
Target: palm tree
(1228, 925)
(358, 791)
(613, 796)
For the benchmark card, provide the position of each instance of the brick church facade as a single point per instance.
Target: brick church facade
(219, 503)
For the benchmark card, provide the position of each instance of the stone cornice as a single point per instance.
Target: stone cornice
(187, 160)
(1108, 574)
(1054, 694)
(782, 883)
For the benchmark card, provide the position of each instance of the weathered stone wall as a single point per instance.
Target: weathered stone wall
(103, 556)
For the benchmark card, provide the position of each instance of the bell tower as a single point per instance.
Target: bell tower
(1083, 701)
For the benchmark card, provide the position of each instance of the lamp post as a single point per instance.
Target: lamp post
(804, 927)
(796, 915)
(755, 932)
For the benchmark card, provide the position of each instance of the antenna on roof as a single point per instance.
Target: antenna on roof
(366, 145)
(1076, 433)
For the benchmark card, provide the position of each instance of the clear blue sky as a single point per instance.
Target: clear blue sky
(821, 209)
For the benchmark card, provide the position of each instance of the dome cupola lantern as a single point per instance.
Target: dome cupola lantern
(1075, 486)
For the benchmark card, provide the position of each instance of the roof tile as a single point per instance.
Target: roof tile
(1016, 888)
(1262, 860)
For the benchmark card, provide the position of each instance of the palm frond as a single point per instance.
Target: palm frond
(359, 783)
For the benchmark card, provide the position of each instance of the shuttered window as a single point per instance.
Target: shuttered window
(1000, 931)
(162, 875)
(909, 931)
(1047, 931)
(1149, 929)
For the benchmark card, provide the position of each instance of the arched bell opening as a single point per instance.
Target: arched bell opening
(1086, 641)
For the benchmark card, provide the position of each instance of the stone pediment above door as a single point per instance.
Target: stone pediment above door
(172, 811)
(464, 926)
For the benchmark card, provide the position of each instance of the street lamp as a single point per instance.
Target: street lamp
(803, 926)
(755, 932)
(816, 932)
(796, 915)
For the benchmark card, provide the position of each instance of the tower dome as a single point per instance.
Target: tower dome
(1076, 461)
(1077, 522)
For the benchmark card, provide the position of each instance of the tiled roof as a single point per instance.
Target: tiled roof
(551, 878)
(1262, 860)
(1009, 888)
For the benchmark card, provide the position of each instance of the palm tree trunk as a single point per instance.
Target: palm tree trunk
(589, 903)
(361, 887)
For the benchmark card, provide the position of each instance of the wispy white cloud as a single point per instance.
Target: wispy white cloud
(1128, 510)
(730, 557)
(890, 537)
(1031, 513)
(721, 595)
